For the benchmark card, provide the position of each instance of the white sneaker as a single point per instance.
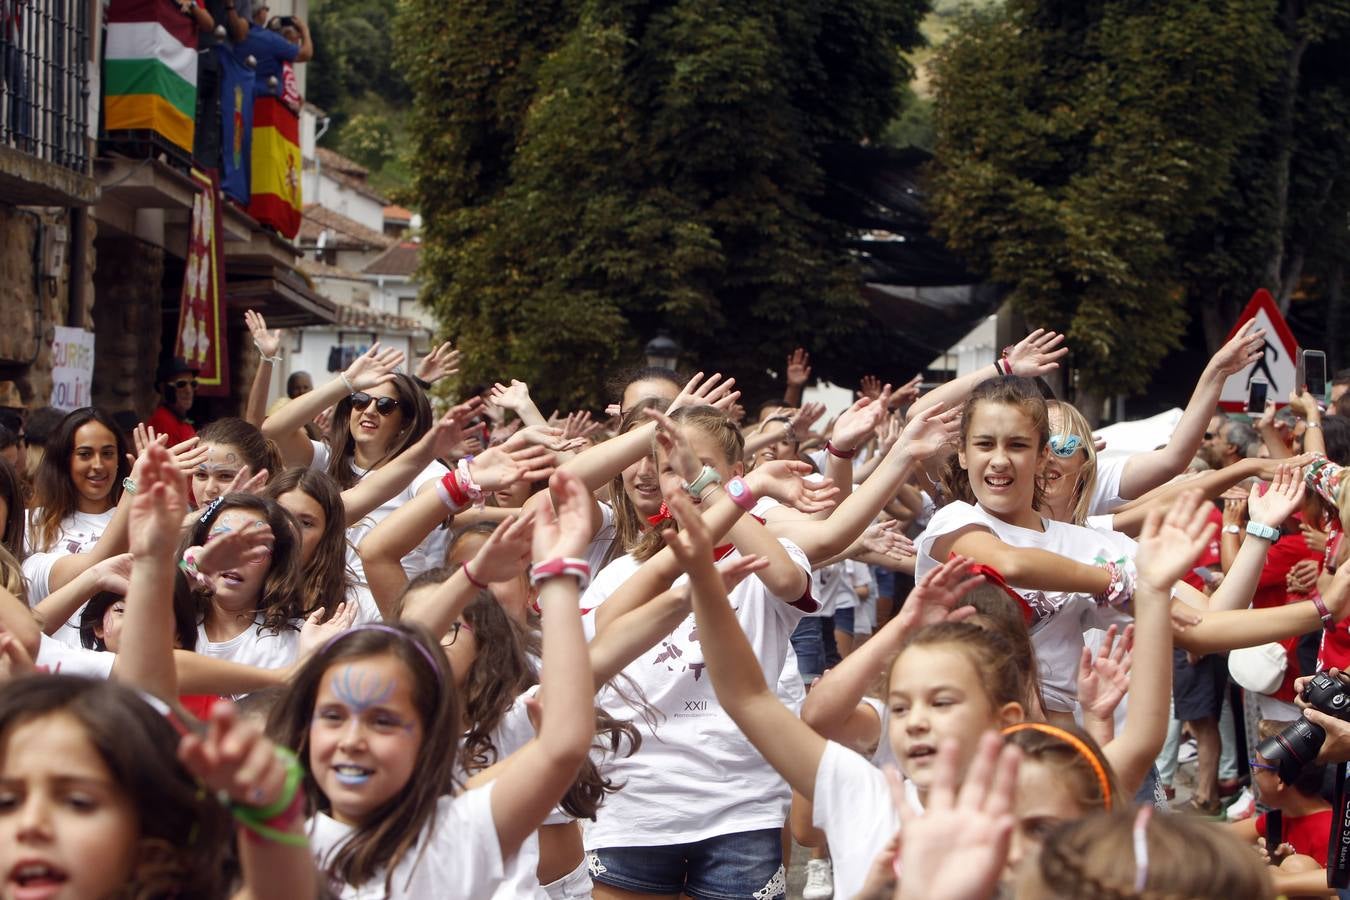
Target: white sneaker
(1243, 807)
(819, 880)
(1187, 751)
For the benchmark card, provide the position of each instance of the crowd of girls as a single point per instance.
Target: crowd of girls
(354, 648)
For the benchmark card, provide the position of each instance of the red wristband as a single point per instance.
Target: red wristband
(563, 565)
(835, 451)
(452, 494)
(473, 581)
(1327, 620)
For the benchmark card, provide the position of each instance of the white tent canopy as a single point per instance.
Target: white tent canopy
(1125, 439)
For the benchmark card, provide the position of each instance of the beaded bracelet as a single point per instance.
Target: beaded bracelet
(471, 487)
(188, 564)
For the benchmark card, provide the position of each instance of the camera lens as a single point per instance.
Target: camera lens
(1293, 748)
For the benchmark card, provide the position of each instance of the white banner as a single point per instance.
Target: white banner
(72, 368)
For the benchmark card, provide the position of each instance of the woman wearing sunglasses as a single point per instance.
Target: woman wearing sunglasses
(380, 414)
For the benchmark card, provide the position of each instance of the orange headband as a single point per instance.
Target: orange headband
(1073, 741)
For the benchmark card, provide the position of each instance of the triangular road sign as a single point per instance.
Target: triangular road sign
(1278, 365)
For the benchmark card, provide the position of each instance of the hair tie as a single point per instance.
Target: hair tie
(1073, 741)
(210, 510)
(376, 626)
(1141, 820)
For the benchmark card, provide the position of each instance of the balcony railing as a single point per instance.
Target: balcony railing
(44, 80)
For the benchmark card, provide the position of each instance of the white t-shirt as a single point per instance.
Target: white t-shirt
(884, 754)
(79, 532)
(1106, 492)
(696, 775)
(852, 805)
(58, 658)
(833, 588)
(597, 551)
(254, 646)
(456, 856)
(425, 556)
(1061, 617)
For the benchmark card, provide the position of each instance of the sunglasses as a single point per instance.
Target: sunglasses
(383, 405)
(184, 382)
(1259, 765)
(1065, 445)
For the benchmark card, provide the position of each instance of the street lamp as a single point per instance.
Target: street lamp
(662, 352)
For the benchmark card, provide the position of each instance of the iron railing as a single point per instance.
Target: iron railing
(44, 80)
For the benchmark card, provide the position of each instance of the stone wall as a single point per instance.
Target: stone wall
(31, 305)
(128, 295)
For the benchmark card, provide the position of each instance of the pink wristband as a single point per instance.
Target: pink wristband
(740, 493)
(563, 565)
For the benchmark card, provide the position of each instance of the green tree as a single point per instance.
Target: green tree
(603, 169)
(1081, 145)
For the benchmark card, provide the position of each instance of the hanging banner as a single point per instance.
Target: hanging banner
(236, 124)
(150, 70)
(201, 331)
(72, 368)
(275, 179)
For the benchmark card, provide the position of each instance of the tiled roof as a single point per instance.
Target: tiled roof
(362, 317)
(396, 213)
(344, 233)
(400, 259)
(346, 172)
(316, 269)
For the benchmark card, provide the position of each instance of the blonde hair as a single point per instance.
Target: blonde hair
(715, 424)
(1187, 858)
(11, 575)
(1076, 425)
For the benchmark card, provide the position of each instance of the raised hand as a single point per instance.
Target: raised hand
(580, 426)
(710, 392)
(189, 454)
(563, 529)
(857, 423)
(246, 482)
(889, 434)
(315, 632)
(906, 393)
(931, 430)
(1315, 538)
(542, 436)
(870, 387)
(235, 548)
(497, 468)
(936, 594)
(1035, 355)
(157, 509)
(448, 431)
(735, 569)
(14, 658)
(1267, 419)
(514, 397)
(324, 421)
(1104, 680)
(506, 552)
(1302, 577)
(443, 362)
(885, 538)
(802, 420)
(113, 574)
(1280, 501)
(1170, 545)
(235, 758)
(957, 847)
(692, 543)
(798, 368)
(784, 480)
(267, 342)
(679, 453)
(374, 367)
(1243, 349)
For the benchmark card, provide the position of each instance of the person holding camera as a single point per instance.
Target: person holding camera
(1295, 833)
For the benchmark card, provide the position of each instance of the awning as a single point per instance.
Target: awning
(281, 295)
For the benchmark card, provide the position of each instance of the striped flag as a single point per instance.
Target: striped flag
(150, 70)
(275, 180)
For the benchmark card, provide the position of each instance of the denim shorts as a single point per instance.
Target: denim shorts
(885, 581)
(808, 639)
(843, 620)
(747, 865)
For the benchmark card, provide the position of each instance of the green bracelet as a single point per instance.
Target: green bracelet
(255, 818)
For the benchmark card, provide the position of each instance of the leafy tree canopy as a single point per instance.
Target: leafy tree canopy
(594, 171)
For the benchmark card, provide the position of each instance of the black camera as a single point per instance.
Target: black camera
(1298, 744)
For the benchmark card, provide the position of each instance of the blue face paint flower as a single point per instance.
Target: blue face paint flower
(1065, 445)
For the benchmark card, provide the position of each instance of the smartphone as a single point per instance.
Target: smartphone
(1312, 373)
(1256, 396)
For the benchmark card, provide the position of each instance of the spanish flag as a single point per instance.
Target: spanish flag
(275, 178)
(150, 70)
